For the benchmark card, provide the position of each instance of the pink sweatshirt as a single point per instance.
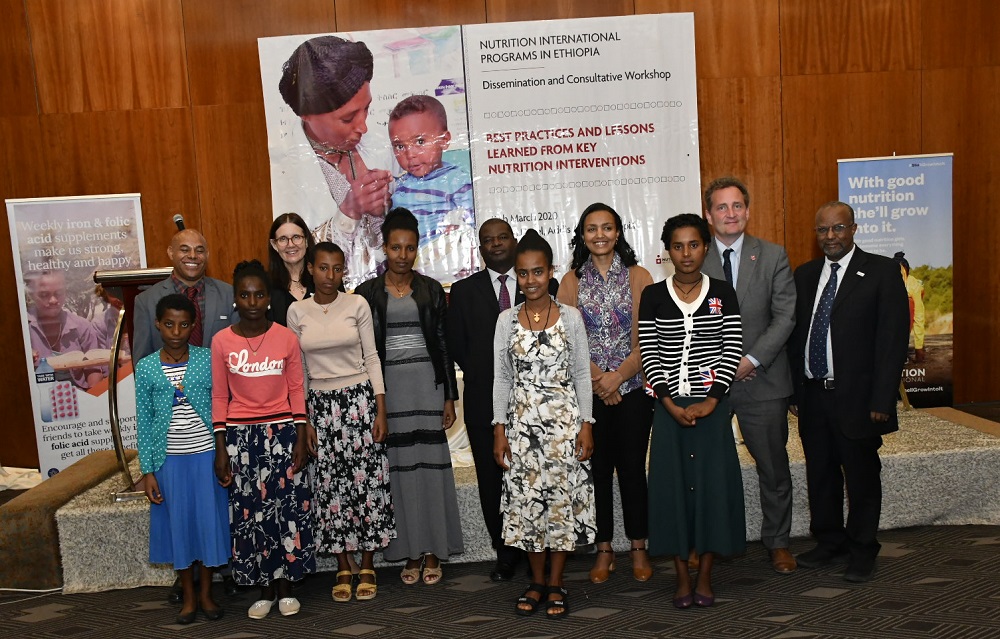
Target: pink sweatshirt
(256, 388)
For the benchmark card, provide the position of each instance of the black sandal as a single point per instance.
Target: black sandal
(561, 602)
(543, 592)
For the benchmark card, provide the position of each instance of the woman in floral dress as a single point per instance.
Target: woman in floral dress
(258, 416)
(352, 507)
(542, 405)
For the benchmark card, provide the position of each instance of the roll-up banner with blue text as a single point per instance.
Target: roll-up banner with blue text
(68, 323)
(537, 121)
(903, 209)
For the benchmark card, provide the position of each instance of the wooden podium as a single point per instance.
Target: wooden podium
(125, 285)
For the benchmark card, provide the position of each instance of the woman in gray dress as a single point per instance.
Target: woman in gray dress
(408, 315)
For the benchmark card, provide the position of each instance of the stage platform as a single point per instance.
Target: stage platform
(942, 467)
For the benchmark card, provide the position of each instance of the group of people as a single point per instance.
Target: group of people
(265, 430)
(316, 417)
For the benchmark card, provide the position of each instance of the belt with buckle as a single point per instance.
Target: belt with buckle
(826, 383)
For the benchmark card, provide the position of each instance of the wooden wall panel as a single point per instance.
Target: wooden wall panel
(221, 39)
(364, 15)
(960, 109)
(234, 184)
(732, 39)
(844, 36)
(19, 150)
(830, 117)
(19, 449)
(23, 171)
(17, 85)
(786, 87)
(739, 121)
(960, 33)
(517, 10)
(149, 152)
(100, 55)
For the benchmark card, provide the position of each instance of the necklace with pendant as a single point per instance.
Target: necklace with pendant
(261, 343)
(325, 309)
(399, 291)
(540, 336)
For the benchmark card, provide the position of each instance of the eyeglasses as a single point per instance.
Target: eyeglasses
(294, 239)
(838, 229)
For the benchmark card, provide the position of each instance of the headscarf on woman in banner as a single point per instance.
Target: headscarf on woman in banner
(337, 184)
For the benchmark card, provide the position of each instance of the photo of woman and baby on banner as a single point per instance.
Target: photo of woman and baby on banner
(525, 121)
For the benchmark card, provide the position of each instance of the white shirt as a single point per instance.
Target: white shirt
(510, 283)
(824, 277)
(734, 259)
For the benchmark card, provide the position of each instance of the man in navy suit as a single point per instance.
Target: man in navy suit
(473, 307)
(759, 272)
(847, 353)
(213, 299)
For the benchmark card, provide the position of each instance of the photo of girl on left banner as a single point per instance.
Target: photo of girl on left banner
(68, 321)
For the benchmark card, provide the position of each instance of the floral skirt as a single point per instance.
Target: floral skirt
(268, 506)
(352, 507)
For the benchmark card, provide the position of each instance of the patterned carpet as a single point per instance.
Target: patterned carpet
(933, 582)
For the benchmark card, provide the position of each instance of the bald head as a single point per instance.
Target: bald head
(189, 255)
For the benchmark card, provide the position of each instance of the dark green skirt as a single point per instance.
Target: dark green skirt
(695, 485)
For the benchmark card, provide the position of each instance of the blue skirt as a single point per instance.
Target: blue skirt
(192, 523)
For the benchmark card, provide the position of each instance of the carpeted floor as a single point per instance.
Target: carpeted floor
(933, 582)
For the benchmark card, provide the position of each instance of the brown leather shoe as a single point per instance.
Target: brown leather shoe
(782, 561)
(643, 573)
(600, 575)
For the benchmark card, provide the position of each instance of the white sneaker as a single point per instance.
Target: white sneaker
(261, 608)
(288, 606)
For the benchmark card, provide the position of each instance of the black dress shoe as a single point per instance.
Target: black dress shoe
(185, 619)
(229, 585)
(213, 614)
(820, 556)
(502, 571)
(860, 569)
(176, 594)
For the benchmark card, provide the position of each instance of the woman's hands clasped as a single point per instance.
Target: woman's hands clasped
(689, 416)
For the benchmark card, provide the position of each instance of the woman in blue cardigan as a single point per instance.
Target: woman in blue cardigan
(189, 518)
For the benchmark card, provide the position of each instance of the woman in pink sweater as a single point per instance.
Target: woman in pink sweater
(258, 407)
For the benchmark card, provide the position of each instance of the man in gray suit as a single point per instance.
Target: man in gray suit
(213, 300)
(759, 272)
(213, 303)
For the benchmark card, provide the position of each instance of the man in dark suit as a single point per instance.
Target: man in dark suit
(847, 353)
(759, 272)
(473, 307)
(212, 299)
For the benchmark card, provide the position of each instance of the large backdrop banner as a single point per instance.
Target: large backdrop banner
(530, 122)
(68, 321)
(903, 208)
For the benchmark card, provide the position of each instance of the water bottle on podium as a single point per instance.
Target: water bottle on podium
(45, 382)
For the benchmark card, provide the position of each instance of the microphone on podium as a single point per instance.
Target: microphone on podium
(179, 221)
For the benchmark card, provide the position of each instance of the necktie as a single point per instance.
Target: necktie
(818, 365)
(504, 298)
(197, 332)
(727, 266)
